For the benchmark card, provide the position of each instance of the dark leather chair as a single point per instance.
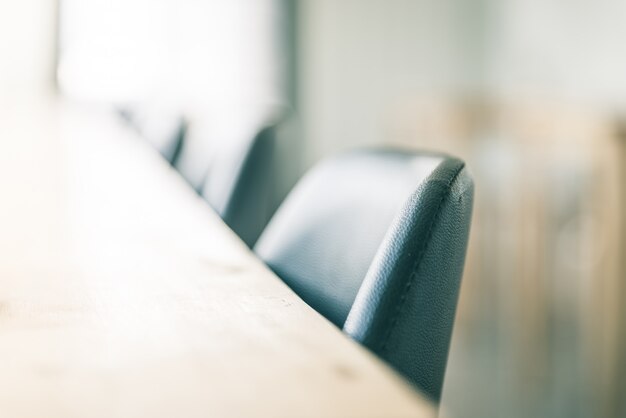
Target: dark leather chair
(239, 182)
(375, 241)
(226, 156)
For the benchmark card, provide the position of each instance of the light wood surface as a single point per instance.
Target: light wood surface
(123, 295)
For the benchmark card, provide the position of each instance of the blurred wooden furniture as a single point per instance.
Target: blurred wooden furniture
(123, 295)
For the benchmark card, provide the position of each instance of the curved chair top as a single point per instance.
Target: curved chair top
(375, 241)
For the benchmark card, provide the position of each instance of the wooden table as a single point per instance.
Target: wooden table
(123, 295)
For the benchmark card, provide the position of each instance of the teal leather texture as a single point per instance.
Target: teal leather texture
(244, 176)
(375, 241)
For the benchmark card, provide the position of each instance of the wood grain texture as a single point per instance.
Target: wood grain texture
(123, 295)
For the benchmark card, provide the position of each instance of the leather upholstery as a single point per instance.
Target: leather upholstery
(227, 159)
(375, 240)
(239, 183)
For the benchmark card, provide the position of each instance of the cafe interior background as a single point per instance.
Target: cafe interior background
(531, 93)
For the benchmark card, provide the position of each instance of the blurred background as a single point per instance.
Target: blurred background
(531, 93)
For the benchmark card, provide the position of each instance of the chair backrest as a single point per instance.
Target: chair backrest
(239, 182)
(162, 127)
(375, 240)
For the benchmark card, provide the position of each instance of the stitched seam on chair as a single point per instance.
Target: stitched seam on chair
(418, 261)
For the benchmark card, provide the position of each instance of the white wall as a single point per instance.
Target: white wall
(574, 50)
(198, 53)
(361, 59)
(365, 64)
(27, 45)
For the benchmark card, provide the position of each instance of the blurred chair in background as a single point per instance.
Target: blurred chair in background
(239, 184)
(162, 127)
(228, 160)
(375, 241)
